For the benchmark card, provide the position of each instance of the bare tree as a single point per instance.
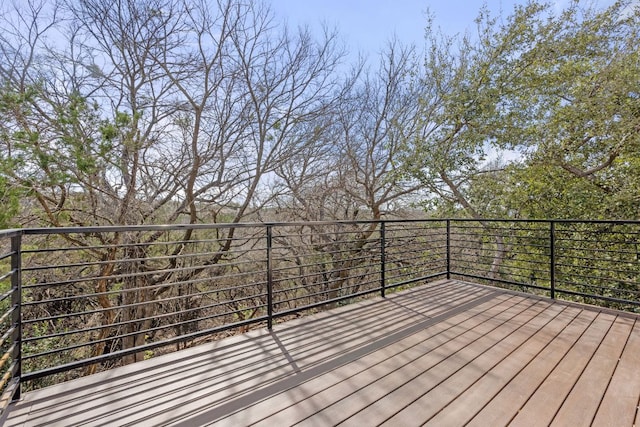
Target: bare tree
(155, 111)
(351, 174)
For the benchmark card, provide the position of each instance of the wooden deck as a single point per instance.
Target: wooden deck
(446, 353)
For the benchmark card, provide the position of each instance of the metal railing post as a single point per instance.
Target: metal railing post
(552, 258)
(16, 302)
(269, 277)
(448, 249)
(383, 259)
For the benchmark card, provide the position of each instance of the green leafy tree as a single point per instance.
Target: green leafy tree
(582, 132)
(558, 89)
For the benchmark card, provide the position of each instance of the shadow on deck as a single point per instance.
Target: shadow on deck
(445, 353)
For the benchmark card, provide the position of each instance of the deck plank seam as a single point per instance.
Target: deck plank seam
(516, 374)
(584, 367)
(528, 340)
(606, 388)
(492, 348)
(426, 339)
(476, 339)
(225, 409)
(554, 368)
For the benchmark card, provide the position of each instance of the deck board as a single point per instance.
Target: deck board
(349, 379)
(544, 404)
(432, 372)
(623, 392)
(581, 404)
(505, 405)
(444, 353)
(348, 396)
(502, 344)
(473, 399)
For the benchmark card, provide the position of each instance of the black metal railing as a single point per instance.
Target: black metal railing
(74, 301)
(593, 262)
(10, 315)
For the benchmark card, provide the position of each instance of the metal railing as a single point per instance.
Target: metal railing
(74, 301)
(592, 262)
(10, 325)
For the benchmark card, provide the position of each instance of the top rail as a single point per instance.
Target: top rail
(165, 227)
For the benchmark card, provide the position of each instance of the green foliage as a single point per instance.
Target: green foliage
(560, 89)
(580, 91)
(10, 202)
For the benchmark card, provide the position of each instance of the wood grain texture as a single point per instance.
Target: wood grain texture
(444, 353)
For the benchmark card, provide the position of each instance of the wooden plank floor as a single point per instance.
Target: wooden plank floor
(445, 353)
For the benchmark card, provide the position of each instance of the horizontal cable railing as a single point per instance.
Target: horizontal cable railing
(592, 262)
(516, 253)
(75, 301)
(10, 314)
(126, 294)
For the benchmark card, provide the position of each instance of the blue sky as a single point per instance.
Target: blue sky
(366, 25)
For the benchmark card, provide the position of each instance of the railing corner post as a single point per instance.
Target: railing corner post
(269, 277)
(383, 259)
(448, 249)
(16, 302)
(552, 259)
